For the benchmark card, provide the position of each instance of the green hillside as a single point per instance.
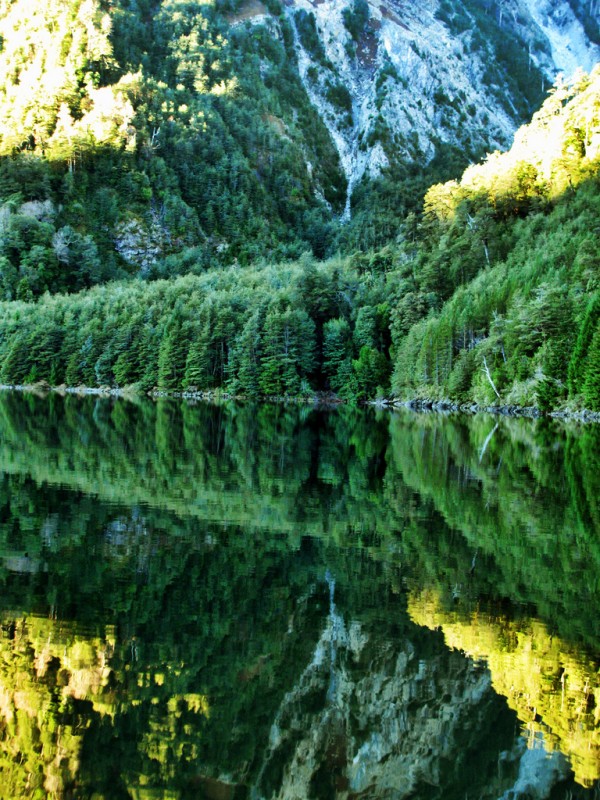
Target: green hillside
(171, 153)
(501, 286)
(491, 296)
(137, 138)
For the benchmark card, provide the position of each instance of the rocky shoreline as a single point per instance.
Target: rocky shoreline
(448, 406)
(43, 387)
(422, 405)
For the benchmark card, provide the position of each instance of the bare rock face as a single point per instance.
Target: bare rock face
(394, 79)
(569, 46)
(369, 717)
(141, 242)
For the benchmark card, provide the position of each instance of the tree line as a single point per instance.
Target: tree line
(274, 330)
(490, 295)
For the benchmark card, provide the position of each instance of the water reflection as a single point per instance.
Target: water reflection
(268, 602)
(553, 686)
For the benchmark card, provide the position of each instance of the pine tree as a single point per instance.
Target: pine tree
(197, 366)
(149, 349)
(289, 351)
(337, 351)
(365, 328)
(372, 371)
(591, 386)
(16, 364)
(127, 365)
(578, 362)
(249, 356)
(172, 358)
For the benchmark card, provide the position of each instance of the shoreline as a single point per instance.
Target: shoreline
(327, 399)
(42, 388)
(530, 412)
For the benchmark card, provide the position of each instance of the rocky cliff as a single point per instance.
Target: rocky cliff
(368, 718)
(397, 80)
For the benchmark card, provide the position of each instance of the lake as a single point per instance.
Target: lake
(236, 601)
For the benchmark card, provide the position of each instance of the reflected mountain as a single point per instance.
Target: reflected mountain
(274, 602)
(553, 686)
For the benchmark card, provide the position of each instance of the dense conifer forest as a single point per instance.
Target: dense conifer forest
(159, 228)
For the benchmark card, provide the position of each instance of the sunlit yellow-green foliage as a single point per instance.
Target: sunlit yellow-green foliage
(558, 149)
(552, 686)
(44, 666)
(52, 58)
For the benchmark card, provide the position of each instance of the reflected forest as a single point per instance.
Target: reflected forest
(240, 601)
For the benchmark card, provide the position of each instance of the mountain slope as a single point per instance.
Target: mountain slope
(157, 138)
(507, 269)
(492, 296)
(433, 84)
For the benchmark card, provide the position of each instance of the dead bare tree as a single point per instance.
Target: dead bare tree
(486, 369)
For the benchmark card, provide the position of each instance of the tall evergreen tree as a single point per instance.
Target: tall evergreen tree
(591, 385)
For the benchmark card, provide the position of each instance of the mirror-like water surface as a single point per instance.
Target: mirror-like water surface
(268, 602)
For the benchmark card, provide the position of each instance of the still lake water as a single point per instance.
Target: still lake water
(266, 602)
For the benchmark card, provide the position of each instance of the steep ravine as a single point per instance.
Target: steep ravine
(418, 76)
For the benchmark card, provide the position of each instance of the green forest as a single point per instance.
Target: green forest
(160, 231)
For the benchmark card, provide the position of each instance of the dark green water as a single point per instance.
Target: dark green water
(269, 602)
